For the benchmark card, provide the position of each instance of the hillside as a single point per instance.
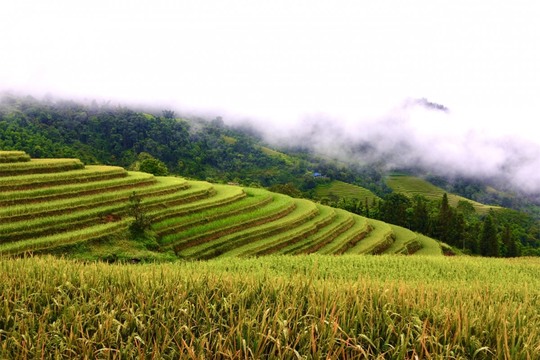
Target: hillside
(202, 149)
(209, 150)
(63, 206)
(412, 185)
(340, 189)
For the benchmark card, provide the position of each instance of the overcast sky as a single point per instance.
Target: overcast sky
(281, 62)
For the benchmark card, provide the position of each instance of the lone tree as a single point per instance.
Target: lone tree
(141, 223)
(149, 164)
(168, 114)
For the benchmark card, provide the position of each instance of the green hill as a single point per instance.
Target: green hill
(412, 185)
(62, 206)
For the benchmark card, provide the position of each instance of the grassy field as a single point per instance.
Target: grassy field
(411, 185)
(344, 190)
(285, 307)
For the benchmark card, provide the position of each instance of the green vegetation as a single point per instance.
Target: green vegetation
(383, 307)
(472, 227)
(412, 185)
(271, 152)
(240, 304)
(13, 156)
(36, 166)
(159, 144)
(194, 148)
(429, 246)
(336, 190)
(172, 217)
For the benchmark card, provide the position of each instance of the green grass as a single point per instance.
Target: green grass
(292, 235)
(345, 190)
(290, 215)
(283, 307)
(93, 200)
(221, 194)
(279, 207)
(81, 235)
(227, 202)
(411, 185)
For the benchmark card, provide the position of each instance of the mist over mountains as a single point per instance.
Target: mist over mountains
(422, 135)
(345, 80)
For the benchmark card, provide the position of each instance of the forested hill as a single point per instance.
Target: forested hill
(205, 150)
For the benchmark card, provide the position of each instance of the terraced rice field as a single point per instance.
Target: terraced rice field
(51, 204)
(411, 185)
(345, 190)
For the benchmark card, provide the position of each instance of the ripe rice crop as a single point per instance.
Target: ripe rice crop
(358, 230)
(342, 222)
(94, 200)
(74, 190)
(38, 166)
(13, 156)
(227, 202)
(316, 307)
(429, 246)
(33, 181)
(380, 235)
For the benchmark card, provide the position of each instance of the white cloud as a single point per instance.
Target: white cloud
(281, 62)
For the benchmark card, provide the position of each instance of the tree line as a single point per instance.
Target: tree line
(499, 233)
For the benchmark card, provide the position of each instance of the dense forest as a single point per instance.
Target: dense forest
(162, 143)
(194, 148)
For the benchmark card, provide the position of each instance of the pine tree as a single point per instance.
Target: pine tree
(489, 244)
(420, 220)
(509, 242)
(456, 231)
(444, 220)
(367, 208)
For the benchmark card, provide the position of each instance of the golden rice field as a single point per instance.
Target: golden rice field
(283, 307)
